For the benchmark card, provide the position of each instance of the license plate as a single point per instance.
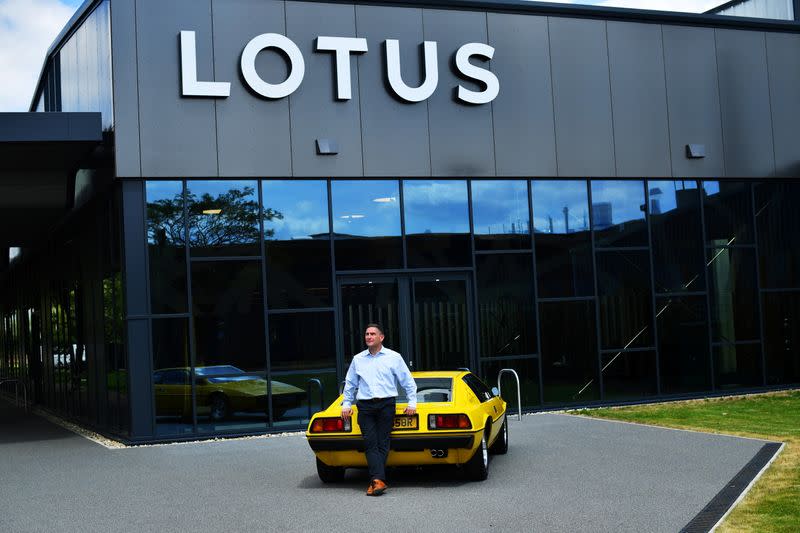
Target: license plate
(402, 422)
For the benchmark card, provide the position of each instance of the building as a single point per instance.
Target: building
(215, 197)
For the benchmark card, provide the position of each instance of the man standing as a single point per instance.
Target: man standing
(374, 373)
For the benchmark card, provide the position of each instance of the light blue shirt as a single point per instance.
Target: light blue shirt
(375, 376)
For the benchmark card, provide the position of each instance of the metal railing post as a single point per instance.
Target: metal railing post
(500, 388)
(17, 384)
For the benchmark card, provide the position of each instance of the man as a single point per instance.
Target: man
(374, 373)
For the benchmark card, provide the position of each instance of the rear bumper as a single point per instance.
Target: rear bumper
(399, 444)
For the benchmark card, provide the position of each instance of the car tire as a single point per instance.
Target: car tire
(329, 474)
(477, 468)
(500, 444)
(219, 408)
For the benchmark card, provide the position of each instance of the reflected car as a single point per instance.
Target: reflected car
(221, 390)
(459, 421)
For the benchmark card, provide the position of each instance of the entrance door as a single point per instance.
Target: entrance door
(427, 318)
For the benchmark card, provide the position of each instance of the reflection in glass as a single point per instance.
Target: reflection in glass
(569, 352)
(369, 301)
(223, 218)
(618, 213)
(528, 371)
(165, 243)
(777, 220)
(728, 212)
(297, 244)
(562, 239)
(366, 224)
(734, 294)
(675, 222)
(500, 215)
(294, 361)
(623, 284)
(782, 337)
(629, 375)
(505, 304)
(441, 325)
(737, 366)
(683, 344)
(172, 388)
(437, 223)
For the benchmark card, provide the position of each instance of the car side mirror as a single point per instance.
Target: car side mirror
(495, 391)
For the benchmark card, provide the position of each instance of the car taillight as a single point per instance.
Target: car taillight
(326, 425)
(449, 422)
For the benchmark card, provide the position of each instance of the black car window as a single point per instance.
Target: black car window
(175, 377)
(478, 387)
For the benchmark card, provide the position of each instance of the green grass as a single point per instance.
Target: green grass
(774, 502)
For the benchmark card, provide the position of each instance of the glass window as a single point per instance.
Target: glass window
(623, 283)
(618, 209)
(478, 387)
(569, 352)
(437, 223)
(165, 243)
(683, 344)
(528, 371)
(737, 366)
(782, 337)
(500, 215)
(172, 388)
(366, 224)
(728, 212)
(223, 218)
(366, 301)
(777, 220)
(297, 244)
(629, 375)
(734, 294)
(505, 304)
(562, 239)
(677, 234)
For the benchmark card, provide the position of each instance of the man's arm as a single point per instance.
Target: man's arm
(409, 385)
(350, 386)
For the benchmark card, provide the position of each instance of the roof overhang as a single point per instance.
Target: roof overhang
(39, 155)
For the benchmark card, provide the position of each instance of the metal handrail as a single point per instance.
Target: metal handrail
(341, 386)
(500, 388)
(17, 383)
(321, 395)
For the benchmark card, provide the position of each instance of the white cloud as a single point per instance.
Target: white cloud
(27, 29)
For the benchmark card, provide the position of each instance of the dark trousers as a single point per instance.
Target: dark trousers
(375, 418)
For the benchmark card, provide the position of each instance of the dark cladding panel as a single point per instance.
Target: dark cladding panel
(126, 100)
(315, 112)
(525, 142)
(744, 103)
(394, 133)
(784, 83)
(461, 134)
(584, 131)
(641, 132)
(252, 132)
(693, 100)
(177, 134)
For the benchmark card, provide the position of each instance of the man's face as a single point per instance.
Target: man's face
(373, 337)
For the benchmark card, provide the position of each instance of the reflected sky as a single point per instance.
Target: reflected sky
(550, 197)
(158, 190)
(366, 208)
(664, 193)
(436, 207)
(303, 204)
(500, 207)
(711, 187)
(623, 198)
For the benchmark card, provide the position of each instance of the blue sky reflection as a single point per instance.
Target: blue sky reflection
(500, 207)
(303, 204)
(436, 207)
(366, 208)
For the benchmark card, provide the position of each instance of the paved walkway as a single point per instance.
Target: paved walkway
(562, 473)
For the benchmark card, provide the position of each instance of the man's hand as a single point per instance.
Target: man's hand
(347, 412)
(410, 410)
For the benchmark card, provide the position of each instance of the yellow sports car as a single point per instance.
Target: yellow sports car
(459, 421)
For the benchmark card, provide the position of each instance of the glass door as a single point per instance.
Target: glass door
(442, 322)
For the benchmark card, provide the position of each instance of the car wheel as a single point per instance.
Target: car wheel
(219, 409)
(329, 474)
(477, 468)
(500, 444)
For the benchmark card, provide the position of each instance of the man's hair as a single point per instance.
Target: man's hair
(376, 326)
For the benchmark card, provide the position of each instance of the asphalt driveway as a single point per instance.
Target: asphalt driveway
(562, 473)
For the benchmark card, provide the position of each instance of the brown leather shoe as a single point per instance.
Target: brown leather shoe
(371, 489)
(378, 487)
